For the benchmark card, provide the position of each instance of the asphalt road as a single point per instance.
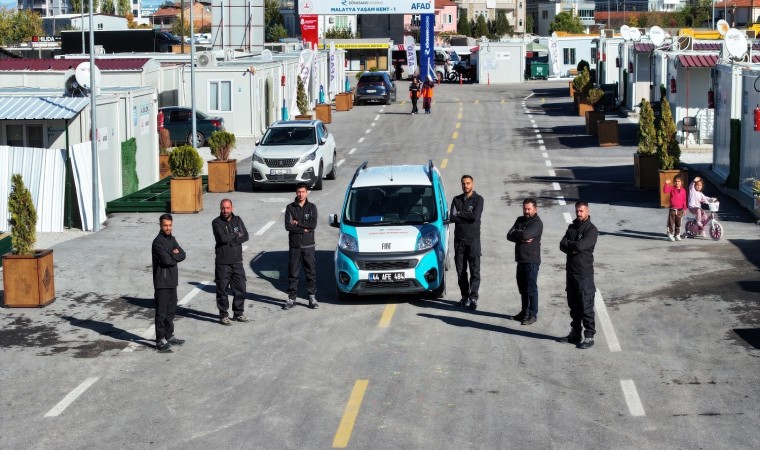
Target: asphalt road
(677, 350)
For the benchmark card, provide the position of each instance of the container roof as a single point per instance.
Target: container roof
(41, 108)
(68, 64)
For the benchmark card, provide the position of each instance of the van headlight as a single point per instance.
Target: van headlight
(427, 240)
(258, 158)
(348, 243)
(310, 157)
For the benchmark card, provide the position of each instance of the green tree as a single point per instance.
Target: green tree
(473, 26)
(647, 132)
(567, 22)
(273, 22)
(276, 32)
(23, 217)
(695, 14)
(124, 7)
(19, 26)
(481, 27)
(500, 27)
(76, 6)
(463, 25)
(668, 150)
(181, 27)
(302, 101)
(108, 7)
(339, 33)
(529, 25)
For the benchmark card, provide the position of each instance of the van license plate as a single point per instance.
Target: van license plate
(279, 172)
(386, 277)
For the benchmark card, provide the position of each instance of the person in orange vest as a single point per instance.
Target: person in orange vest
(427, 95)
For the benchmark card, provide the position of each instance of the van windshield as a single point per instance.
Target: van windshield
(386, 205)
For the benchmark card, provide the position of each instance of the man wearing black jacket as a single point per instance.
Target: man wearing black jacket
(526, 234)
(300, 221)
(166, 253)
(578, 243)
(465, 213)
(229, 233)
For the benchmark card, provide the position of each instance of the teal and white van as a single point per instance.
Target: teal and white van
(394, 232)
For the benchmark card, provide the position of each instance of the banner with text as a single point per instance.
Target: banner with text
(309, 31)
(411, 55)
(427, 47)
(365, 7)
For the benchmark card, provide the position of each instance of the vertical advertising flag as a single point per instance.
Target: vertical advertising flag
(309, 30)
(411, 55)
(333, 71)
(427, 47)
(554, 54)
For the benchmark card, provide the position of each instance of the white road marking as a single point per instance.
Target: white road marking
(561, 201)
(373, 124)
(552, 173)
(555, 186)
(541, 141)
(538, 136)
(340, 162)
(542, 147)
(529, 96)
(199, 287)
(545, 155)
(361, 139)
(351, 152)
(530, 116)
(264, 228)
(568, 218)
(604, 319)
(377, 117)
(632, 398)
(548, 163)
(369, 130)
(535, 125)
(70, 397)
(532, 121)
(245, 247)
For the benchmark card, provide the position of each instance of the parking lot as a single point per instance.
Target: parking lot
(675, 363)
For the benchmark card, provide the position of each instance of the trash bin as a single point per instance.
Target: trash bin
(539, 70)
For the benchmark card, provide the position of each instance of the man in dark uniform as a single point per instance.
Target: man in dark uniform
(465, 212)
(526, 234)
(166, 253)
(578, 243)
(229, 233)
(300, 221)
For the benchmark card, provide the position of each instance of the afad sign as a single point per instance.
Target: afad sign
(366, 7)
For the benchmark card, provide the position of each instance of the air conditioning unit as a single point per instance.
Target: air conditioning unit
(206, 59)
(683, 43)
(609, 34)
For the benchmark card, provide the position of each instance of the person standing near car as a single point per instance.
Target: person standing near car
(526, 234)
(300, 221)
(414, 91)
(166, 253)
(427, 95)
(578, 244)
(229, 233)
(465, 213)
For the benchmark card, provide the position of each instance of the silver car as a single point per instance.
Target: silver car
(294, 151)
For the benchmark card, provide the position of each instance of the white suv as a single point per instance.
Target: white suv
(294, 151)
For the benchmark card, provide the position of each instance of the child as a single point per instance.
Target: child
(677, 206)
(696, 198)
(427, 95)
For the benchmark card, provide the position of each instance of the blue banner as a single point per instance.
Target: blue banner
(427, 47)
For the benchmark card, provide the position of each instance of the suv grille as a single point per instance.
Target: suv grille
(388, 265)
(276, 162)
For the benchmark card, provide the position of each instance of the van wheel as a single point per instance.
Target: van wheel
(318, 184)
(439, 292)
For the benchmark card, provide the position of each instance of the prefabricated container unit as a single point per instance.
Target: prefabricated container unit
(607, 69)
(750, 140)
(501, 62)
(728, 105)
(690, 99)
(572, 50)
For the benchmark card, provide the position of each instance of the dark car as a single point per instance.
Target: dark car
(165, 41)
(177, 120)
(375, 86)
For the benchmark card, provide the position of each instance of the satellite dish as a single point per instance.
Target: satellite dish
(736, 43)
(635, 34)
(82, 75)
(625, 31)
(723, 27)
(657, 35)
(266, 56)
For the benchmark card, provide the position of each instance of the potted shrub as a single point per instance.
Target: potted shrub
(582, 84)
(302, 101)
(668, 152)
(222, 170)
(164, 144)
(186, 183)
(594, 116)
(756, 193)
(645, 164)
(28, 279)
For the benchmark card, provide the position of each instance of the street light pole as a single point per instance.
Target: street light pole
(94, 132)
(192, 73)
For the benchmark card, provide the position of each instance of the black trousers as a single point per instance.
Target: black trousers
(166, 308)
(414, 102)
(580, 299)
(467, 254)
(227, 275)
(527, 285)
(298, 257)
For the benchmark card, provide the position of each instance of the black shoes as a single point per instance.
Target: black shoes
(240, 318)
(464, 303)
(587, 343)
(289, 304)
(529, 320)
(571, 338)
(473, 305)
(519, 316)
(175, 341)
(313, 302)
(163, 346)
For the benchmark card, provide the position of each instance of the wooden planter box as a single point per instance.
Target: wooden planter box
(186, 194)
(28, 280)
(343, 101)
(608, 133)
(163, 167)
(584, 106)
(592, 117)
(645, 171)
(324, 113)
(572, 90)
(668, 175)
(221, 175)
(351, 99)
(303, 117)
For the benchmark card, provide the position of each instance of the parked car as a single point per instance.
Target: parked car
(177, 119)
(375, 86)
(294, 151)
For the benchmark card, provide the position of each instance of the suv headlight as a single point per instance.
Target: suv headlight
(348, 243)
(258, 158)
(310, 157)
(427, 240)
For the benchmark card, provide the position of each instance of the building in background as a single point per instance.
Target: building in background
(546, 13)
(53, 25)
(515, 10)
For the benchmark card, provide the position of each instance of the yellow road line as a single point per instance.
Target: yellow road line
(460, 105)
(459, 125)
(443, 164)
(502, 100)
(459, 116)
(349, 415)
(451, 148)
(385, 319)
(477, 101)
(455, 135)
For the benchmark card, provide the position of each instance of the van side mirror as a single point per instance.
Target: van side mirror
(333, 220)
(257, 142)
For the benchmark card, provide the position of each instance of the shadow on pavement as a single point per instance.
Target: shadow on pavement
(749, 335)
(272, 267)
(107, 329)
(636, 234)
(182, 311)
(460, 322)
(449, 305)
